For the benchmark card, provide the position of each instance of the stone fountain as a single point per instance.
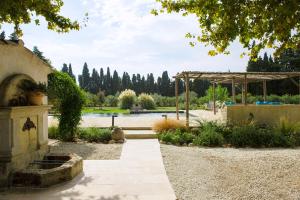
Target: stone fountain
(24, 128)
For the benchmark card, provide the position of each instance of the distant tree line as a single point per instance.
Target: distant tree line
(111, 82)
(288, 61)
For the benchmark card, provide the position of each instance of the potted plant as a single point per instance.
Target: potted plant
(34, 92)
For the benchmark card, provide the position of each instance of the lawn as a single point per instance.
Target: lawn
(104, 110)
(107, 110)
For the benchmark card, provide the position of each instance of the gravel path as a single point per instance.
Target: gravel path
(227, 173)
(89, 151)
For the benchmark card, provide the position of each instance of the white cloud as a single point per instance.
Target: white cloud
(124, 35)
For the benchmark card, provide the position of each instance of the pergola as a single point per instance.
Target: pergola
(233, 78)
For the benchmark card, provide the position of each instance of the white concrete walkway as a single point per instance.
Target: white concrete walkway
(138, 175)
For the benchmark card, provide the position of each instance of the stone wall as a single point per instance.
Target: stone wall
(268, 114)
(16, 59)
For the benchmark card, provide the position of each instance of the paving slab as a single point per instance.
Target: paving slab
(140, 134)
(138, 175)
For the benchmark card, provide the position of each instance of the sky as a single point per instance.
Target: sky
(123, 35)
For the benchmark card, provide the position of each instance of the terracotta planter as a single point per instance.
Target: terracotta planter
(35, 98)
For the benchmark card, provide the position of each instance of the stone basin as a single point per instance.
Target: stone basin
(53, 169)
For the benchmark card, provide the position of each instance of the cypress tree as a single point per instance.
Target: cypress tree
(107, 82)
(65, 68)
(85, 77)
(70, 72)
(165, 84)
(94, 82)
(115, 84)
(101, 80)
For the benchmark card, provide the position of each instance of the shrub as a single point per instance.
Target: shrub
(288, 133)
(209, 137)
(70, 100)
(146, 101)
(167, 125)
(127, 99)
(178, 137)
(251, 135)
(94, 134)
(111, 101)
(221, 93)
(91, 99)
(53, 132)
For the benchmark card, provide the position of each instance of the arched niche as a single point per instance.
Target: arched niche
(9, 88)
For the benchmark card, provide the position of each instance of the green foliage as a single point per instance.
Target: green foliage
(111, 101)
(209, 137)
(94, 134)
(24, 12)
(127, 99)
(91, 99)
(222, 22)
(177, 137)
(39, 54)
(101, 98)
(31, 86)
(146, 101)
(251, 135)
(70, 101)
(211, 133)
(221, 93)
(288, 133)
(53, 132)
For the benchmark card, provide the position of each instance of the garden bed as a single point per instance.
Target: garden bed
(89, 151)
(229, 173)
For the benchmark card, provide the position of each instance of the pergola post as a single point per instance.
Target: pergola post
(214, 98)
(243, 93)
(187, 100)
(265, 89)
(233, 91)
(246, 89)
(176, 94)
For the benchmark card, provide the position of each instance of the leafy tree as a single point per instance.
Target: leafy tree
(221, 93)
(85, 78)
(2, 35)
(101, 98)
(23, 12)
(40, 54)
(70, 103)
(107, 82)
(101, 81)
(70, 72)
(165, 84)
(13, 37)
(93, 83)
(272, 24)
(115, 83)
(65, 68)
(126, 81)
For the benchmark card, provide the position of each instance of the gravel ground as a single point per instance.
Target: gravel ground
(89, 151)
(228, 173)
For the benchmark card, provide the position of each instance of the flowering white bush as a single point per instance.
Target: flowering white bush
(146, 101)
(127, 99)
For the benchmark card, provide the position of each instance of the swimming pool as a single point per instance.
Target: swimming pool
(173, 115)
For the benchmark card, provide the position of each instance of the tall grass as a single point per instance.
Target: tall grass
(165, 125)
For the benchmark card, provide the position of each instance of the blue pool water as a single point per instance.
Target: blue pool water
(135, 115)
